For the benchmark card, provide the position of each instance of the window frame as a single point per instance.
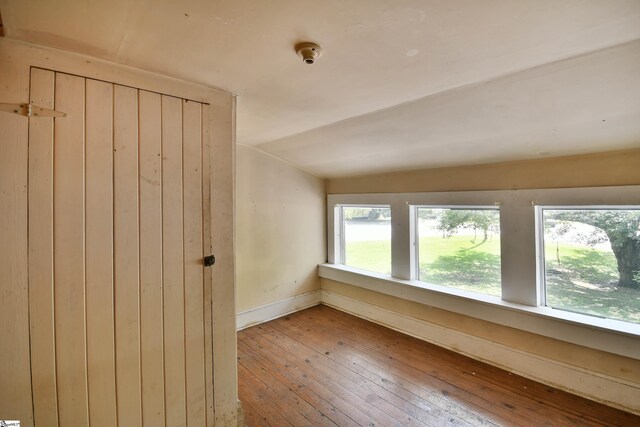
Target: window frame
(522, 294)
(542, 268)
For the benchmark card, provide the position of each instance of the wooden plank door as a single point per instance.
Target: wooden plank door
(119, 309)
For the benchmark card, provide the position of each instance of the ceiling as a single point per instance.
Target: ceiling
(402, 84)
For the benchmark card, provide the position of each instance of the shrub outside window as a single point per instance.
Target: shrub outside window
(592, 261)
(459, 248)
(366, 242)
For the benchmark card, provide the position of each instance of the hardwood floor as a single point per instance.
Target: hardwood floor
(323, 367)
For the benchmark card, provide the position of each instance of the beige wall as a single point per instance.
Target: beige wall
(280, 231)
(601, 169)
(615, 168)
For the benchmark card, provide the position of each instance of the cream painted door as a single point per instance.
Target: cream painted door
(119, 299)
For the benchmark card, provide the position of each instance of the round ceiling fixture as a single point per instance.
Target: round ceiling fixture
(309, 52)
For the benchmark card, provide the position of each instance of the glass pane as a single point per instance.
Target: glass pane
(592, 261)
(367, 238)
(460, 248)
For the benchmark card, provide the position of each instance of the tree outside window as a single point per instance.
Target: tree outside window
(592, 261)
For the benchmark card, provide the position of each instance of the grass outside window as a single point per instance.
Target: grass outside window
(460, 248)
(592, 261)
(367, 238)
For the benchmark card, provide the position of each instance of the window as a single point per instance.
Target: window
(459, 248)
(544, 264)
(366, 241)
(592, 261)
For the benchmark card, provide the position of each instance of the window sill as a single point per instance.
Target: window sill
(608, 335)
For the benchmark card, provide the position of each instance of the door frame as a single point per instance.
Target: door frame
(22, 57)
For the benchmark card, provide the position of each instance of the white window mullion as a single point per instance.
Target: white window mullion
(518, 250)
(334, 233)
(541, 292)
(401, 252)
(414, 239)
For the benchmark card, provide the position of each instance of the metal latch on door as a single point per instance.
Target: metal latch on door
(30, 110)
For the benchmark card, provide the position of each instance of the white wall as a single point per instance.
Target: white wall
(280, 230)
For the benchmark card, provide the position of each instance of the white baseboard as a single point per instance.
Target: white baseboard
(609, 390)
(277, 309)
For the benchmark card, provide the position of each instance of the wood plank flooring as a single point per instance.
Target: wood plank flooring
(323, 367)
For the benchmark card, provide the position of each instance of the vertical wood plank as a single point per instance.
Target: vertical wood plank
(15, 392)
(151, 323)
(194, 316)
(207, 249)
(41, 313)
(68, 226)
(222, 161)
(99, 254)
(126, 250)
(173, 263)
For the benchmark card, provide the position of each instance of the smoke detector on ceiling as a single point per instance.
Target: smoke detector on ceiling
(309, 52)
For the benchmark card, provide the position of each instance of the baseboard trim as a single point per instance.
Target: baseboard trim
(277, 309)
(608, 390)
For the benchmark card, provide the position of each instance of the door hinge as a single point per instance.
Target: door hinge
(209, 260)
(30, 110)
